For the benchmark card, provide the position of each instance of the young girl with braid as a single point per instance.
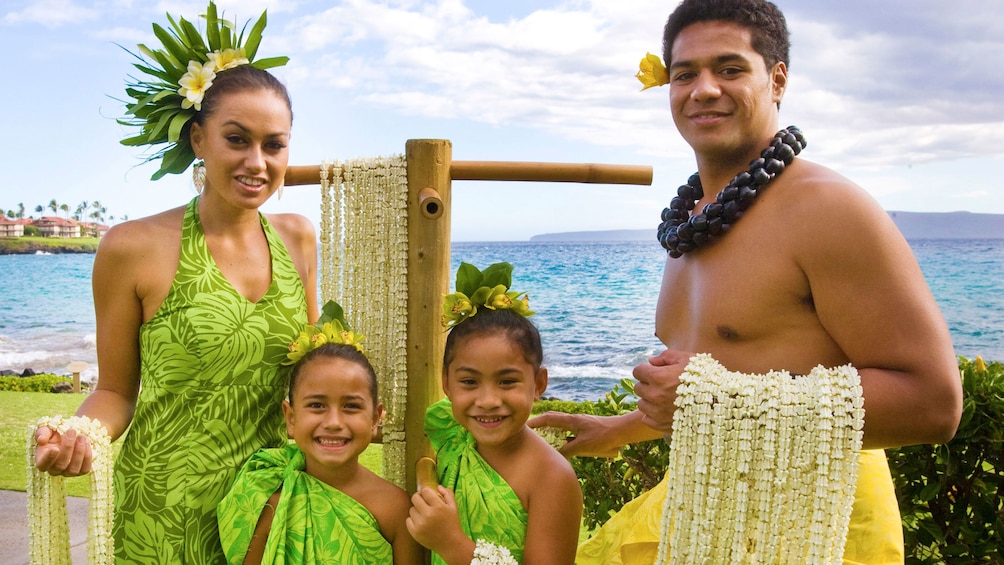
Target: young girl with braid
(505, 492)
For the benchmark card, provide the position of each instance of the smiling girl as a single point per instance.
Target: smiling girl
(505, 489)
(313, 502)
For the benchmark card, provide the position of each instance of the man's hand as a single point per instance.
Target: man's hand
(656, 388)
(590, 436)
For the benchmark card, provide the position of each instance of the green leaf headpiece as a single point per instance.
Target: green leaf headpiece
(331, 327)
(178, 76)
(483, 289)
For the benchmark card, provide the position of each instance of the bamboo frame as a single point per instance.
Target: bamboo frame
(430, 173)
(514, 171)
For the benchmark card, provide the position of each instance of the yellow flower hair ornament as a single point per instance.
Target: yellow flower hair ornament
(331, 327)
(483, 289)
(165, 102)
(651, 72)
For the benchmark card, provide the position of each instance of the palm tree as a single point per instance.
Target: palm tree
(20, 210)
(39, 209)
(11, 214)
(66, 210)
(53, 205)
(99, 212)
(79, 214)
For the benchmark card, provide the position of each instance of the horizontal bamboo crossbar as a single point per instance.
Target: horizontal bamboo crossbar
(515, 171)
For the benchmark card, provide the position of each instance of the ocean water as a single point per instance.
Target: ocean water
(595, 304)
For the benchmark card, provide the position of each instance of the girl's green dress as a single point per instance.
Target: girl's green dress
(313, 523)
(489, 508)
(211, 394)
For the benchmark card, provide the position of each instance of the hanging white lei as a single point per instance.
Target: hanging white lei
(48, 525)
(762, 468)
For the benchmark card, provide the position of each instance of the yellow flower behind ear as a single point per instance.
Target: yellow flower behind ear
(194, 84)
(651, 72)
(227, 59)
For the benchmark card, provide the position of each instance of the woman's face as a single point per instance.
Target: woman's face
(245, 145)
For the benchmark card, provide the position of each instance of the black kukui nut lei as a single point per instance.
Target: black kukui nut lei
(681, 232)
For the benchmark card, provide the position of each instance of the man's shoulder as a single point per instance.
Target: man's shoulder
(810, 188)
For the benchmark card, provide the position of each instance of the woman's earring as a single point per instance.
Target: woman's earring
(278, 193)
(199, 176)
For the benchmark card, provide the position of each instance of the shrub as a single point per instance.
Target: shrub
(32, 231)
(37, 383)
(951, 496)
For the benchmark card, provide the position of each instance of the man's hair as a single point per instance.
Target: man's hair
(770, 37)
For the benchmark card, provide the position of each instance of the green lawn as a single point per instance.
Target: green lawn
(20, 410)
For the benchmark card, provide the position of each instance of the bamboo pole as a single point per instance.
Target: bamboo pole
(428, 280)
(514, 171)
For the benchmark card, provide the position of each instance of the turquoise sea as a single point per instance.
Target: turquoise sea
(595, 304)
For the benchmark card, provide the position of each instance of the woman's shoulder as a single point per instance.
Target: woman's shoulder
(146, 235)
(292, 227)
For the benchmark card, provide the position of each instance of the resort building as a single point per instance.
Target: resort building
(11, 227)
(54, 226)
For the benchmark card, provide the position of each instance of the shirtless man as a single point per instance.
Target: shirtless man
(813, 273)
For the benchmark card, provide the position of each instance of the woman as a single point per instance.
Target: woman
(199, 303)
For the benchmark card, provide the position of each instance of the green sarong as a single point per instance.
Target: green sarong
(489, 508)
(313, 522)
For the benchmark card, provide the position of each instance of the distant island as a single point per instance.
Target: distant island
(913, 225)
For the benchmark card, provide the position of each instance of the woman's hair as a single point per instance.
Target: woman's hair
(515, 327)
(242, 78)
(335, 351)
(770, 37)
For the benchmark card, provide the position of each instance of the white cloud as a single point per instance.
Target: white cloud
(50, 14)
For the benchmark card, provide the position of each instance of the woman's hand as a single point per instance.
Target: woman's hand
(62, 455)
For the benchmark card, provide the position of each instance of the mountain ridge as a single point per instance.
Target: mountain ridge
(913, 225)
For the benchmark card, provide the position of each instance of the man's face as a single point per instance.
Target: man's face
(724, 100)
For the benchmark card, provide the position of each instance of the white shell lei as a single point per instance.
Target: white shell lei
(762, 468)
(364, 267)
(48, 524)
(487, 553)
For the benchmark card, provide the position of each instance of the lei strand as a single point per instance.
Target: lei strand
(48, 524)
(763, 468)
(364, 256)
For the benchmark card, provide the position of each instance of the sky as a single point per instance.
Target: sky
(904, 97)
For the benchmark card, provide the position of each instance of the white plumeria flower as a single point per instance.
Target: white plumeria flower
(195, 82)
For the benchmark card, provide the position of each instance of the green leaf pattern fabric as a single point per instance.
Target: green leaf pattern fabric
(211, 393)
(313, 521)
(489, 508)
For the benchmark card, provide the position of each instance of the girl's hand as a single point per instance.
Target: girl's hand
(66, 455)
(434, 522)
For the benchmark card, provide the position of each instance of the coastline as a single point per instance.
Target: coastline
(28, 245)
